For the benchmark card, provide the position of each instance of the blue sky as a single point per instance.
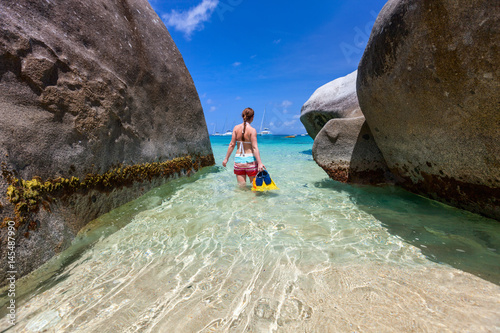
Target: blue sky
(266, 54)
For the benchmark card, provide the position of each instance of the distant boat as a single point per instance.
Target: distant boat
(304, 134)
(214, 133)
(266, 131)
(289, 136)
(228, 132)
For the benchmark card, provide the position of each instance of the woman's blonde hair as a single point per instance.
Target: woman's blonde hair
(247, 114)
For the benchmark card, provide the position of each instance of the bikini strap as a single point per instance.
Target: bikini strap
(241, 150)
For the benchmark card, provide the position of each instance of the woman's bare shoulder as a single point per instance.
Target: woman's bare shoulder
(252, 133)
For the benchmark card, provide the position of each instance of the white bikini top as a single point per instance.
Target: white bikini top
(241, 151)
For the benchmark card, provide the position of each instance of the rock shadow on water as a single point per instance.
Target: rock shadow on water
(444, 234)
(307, 152)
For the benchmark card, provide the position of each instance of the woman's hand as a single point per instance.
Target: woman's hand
(260, 167)
(224, 163)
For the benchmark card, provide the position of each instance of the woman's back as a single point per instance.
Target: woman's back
(246, 138)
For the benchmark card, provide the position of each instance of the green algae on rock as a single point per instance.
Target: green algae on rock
(28, 195)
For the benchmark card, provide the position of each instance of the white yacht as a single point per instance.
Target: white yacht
(266, 131)
(228, 132)
(214, 133)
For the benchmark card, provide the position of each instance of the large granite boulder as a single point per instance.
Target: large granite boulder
(343, 144)
(428, 85)
(346, 150)
(95, 103)
(336, 99)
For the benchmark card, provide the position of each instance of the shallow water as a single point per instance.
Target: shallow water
(201, 255)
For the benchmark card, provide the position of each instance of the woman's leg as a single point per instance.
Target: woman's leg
(242, 180)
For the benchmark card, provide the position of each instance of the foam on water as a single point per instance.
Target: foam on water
(202, 255)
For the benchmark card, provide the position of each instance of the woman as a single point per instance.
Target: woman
(247, 160)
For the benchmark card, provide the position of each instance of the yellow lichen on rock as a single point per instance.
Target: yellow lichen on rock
(27, 195)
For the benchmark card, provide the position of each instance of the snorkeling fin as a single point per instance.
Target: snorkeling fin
(258, 180)
(263, 182)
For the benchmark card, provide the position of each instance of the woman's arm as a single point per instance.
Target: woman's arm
(255, 150)
(230, 149)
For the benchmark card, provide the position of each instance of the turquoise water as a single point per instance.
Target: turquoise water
(200, 254)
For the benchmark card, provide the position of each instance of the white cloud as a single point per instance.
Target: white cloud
(204, 95)
(191, 20)
(289, 123)
(285, 104)
(213, 108)
(209, 101)
(236, 64)
(277, 41)
(238, 98)
(297, 116)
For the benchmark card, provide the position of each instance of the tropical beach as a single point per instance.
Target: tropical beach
(377, 123)
(201, 255)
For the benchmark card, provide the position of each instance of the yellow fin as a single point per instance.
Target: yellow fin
(264, 187)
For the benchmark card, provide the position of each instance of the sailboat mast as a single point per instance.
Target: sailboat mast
(262, 122)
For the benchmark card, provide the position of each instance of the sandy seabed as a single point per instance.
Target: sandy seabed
(276, 297)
